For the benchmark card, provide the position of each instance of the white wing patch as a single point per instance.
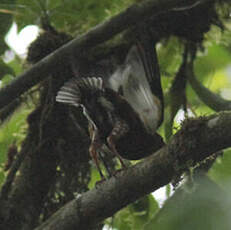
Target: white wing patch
(138, 93)
(116, 79)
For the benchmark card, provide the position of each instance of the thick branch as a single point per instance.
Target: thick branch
(212, 100)
(99, 34)
(196, 140)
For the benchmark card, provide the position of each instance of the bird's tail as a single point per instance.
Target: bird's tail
(75, 90)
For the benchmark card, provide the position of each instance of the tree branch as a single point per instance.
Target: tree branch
(212, 100)
(97, 35)
(196, 140)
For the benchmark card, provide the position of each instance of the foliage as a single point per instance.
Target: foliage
(136, 215)
(192, 208)
(205, 206)
(12, 131)
(67, 15)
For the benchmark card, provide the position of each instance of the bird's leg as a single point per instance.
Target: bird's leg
(120, 129)
(95, 145)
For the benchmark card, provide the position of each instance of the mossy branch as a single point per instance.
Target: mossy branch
(194, 142)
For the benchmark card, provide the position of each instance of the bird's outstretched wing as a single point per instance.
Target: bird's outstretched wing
(139, 79)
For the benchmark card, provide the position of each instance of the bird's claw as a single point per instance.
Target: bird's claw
(100, 182)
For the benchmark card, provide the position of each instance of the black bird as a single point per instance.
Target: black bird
(123, 111)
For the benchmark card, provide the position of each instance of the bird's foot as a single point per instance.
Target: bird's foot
(100, 182)
(118, 171)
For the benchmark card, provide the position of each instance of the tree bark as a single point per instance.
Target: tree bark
(194, 142)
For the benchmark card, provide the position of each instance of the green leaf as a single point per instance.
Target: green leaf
(166, 51)
(221, 170)
(69, 15)
(136, 215)
(168, 190)
(80, 15)
(28, 12)
(153, 206)
(16, 65)
(6, 20)
(12, 131)
(203, 206)
(94, 178)
(208, 63)
(5, 69)
(123, 220)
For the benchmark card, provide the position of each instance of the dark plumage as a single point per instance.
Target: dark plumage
(125, 122)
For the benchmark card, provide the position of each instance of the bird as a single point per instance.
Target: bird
(124, 110)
